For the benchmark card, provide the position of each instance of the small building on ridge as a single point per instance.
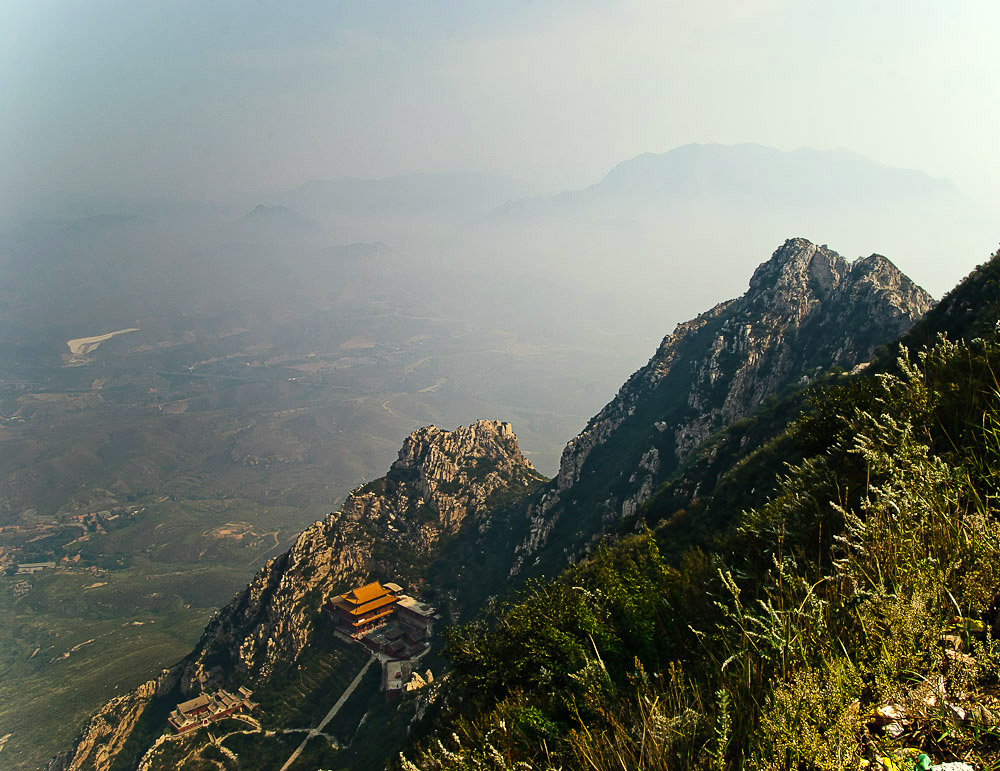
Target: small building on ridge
(207, 708)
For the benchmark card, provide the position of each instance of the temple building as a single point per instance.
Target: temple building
(207, 708)
(364, 609)
(392, 625)
(383, 618)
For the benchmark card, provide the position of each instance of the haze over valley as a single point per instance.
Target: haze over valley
(213, 379)
(245, 254)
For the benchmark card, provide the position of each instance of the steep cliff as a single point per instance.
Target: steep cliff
(390, 529)
(386, 529)
(812, 611)
(106, 733)
(807, 310)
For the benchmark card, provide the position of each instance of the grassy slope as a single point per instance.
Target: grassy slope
(528, 675)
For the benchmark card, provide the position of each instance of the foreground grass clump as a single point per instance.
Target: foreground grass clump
(851, 621)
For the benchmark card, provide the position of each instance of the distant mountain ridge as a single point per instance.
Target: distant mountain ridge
(755, 170)
(280, 222)
(452, 192)
(744, 173)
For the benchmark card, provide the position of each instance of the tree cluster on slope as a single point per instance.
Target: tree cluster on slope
(852, 616)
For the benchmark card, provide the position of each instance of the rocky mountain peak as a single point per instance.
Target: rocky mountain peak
(797, 269)
(876, 273)
(437, 454)
(440, 479)
(388, 529)
(807, 309)
(455, 472)
(385, 529)
(758, 336)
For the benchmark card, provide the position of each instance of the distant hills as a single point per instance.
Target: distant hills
(688, 218)
(747, 173)
(655, 240)
(279, 214)
(697, 215)
(453, 193)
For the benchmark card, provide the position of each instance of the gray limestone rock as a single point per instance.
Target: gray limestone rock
(806, 310)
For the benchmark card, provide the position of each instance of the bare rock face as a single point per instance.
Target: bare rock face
(807, 309)
(440, 480)
(454, 474)
(643, 381)
(106, 732)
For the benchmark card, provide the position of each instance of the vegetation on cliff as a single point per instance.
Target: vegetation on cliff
(849, 614)
(807, 311)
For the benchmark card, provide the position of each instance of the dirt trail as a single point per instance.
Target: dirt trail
(329, 715)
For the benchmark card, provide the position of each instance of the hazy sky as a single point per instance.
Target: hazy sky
(204, 99)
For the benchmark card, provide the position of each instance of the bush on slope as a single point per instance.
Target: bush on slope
(868, 580)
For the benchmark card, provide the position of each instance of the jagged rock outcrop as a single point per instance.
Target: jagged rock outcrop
(107, 731)
(383, 530)
(807, 310)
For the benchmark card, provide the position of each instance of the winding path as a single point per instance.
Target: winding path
(329, 715)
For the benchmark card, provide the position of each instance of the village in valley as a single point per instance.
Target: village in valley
(37, 534)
